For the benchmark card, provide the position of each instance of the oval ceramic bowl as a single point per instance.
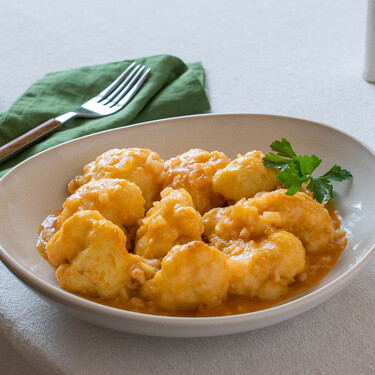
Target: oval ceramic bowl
(38, 187)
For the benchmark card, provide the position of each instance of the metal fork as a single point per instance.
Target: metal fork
(110, 100)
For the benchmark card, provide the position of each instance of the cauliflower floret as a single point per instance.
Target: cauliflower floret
(191, 276)
(172, 221)
(193, 171)
(90, 255)
(265, 269)
(222, 226)
(119, 201)
(141, 166)
(298, 214)
(244, 177)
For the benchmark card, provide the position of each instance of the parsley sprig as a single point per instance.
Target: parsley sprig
(295, 170)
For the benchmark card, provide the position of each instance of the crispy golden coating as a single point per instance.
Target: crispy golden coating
(141, 166)
(247, 219)
(244, 177)
(118, 200)
(191, 276)
(172, 221)
(90, 255)
(265, 269)
(194, 171)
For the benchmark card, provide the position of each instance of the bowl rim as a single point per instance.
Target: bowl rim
(283, 310)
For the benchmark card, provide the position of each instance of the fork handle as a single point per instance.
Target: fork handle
(29, 138)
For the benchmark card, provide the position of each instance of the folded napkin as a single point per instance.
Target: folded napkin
(172, 89)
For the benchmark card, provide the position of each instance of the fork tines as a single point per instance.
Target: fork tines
(122, 90)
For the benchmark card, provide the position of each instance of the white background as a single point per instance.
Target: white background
(296, 58)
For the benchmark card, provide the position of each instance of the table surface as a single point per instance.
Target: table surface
(302, 59)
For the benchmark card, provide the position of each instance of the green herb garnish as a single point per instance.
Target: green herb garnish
(295, 170)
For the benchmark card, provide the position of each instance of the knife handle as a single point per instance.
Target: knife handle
(20, 143)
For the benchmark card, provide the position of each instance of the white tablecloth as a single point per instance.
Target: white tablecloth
(301, 59)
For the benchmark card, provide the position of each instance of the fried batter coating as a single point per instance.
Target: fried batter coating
(265, 269)
(172, 221)
(193, 171)
(191, 276)
(141, 166)
(298, 214)
(118, 200)
(244, 177)
(224, 226)
(90, 255)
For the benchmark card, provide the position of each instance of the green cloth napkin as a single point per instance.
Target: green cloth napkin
(172, 89)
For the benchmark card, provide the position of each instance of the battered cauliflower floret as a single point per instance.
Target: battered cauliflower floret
(194, 171)
(247, 219)
(299, 214)
(244, 177)
(172, 221)
(141, 166)
(192, 275)
(118, 200)
(265, 269)
(223, 226)
(90, 255)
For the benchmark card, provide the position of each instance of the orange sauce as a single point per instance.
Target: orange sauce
(317, 267)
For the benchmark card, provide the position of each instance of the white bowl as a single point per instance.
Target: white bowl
(38, 187)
